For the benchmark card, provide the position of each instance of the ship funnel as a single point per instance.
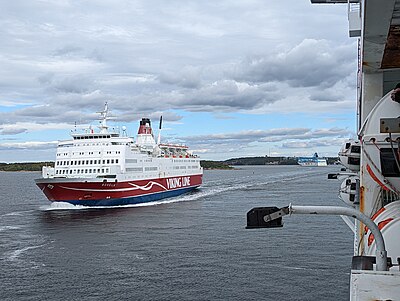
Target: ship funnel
(145, 127)
(145, 133)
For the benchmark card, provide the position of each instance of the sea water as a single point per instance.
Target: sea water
(192, 247)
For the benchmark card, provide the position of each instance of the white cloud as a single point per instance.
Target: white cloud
(61, 60)
(310, 63)
(30, 145)
(22, 127)
(241, 143)
(274, 135)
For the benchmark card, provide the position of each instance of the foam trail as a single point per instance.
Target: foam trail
(15, 254)
(5, 228)
(63, 206)
(190, 197)
(16, 213)
(202, 192)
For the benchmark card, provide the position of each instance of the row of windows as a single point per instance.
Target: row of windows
(179, 167)
(93, 137)
(82, 171)
(134, 169)
(87, 162)
(89, 153)
(64, 154)
(91, 144)
(140, 169)
(184, 160)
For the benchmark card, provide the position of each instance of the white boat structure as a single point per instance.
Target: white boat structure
(371, 181)
(315, 160)
(107, 168)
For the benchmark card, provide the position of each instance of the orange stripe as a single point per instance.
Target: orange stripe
(375, 178)
(380, 226)
(375, 216)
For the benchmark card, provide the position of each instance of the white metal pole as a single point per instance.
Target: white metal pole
(381, 254)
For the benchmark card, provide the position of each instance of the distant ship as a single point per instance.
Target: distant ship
(106, 168)
(312, 161)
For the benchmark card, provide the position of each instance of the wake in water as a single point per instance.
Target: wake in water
(67, 206)
(208, 189)
(7, 228)
(16, 253)
(16, 213)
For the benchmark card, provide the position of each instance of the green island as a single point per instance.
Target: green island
(25, 166)
(206, 164)
(267, 160)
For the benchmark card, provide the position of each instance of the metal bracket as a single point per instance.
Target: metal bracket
(390, 125)
(267, 217)
(275, 215)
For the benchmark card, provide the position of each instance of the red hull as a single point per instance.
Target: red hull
(86, 190)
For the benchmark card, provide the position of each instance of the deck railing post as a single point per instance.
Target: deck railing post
(381, 254)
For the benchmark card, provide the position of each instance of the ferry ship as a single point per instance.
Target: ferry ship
(107, 168)
(312, 161)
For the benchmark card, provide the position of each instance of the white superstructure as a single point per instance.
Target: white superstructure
(112, 155)
(106, 168)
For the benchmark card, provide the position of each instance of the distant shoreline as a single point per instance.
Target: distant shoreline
(24, 166)
(229, 164)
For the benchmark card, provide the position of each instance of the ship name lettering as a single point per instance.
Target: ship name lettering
(185, 181)
(178, 182)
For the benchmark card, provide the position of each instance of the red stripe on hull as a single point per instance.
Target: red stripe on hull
(56, 190)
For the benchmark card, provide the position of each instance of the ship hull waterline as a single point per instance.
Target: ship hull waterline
(108, 192)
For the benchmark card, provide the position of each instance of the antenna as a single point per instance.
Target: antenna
(159, 131)
(103, 119)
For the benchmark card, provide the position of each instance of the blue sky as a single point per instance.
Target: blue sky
(231, 78)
